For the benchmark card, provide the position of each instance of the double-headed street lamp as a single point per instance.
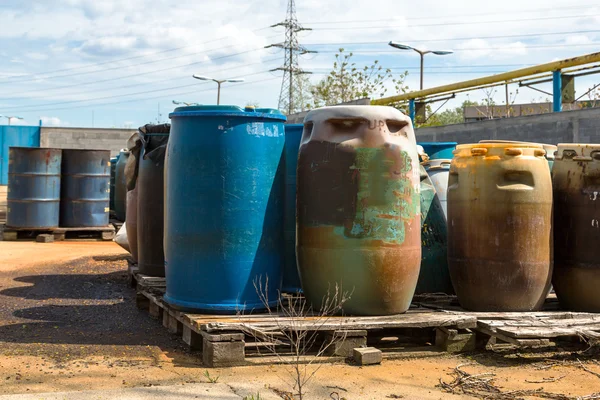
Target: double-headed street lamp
(9, 117)
(219, 82)
(421, 53)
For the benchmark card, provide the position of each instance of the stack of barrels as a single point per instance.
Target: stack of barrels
(49, 188)
(342, 206)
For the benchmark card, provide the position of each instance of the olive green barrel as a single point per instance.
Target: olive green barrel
(576, 184)
(500, 226)
(434, 276)
(358, 209)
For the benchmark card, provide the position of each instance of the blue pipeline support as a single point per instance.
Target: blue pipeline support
(556, 91)
(411, 110)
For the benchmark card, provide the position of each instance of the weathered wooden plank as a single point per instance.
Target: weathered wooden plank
(549, 332)
(545, 323)
(522, 315)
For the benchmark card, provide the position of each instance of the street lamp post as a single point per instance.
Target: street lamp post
(9, 117)
(219, 82)
(421, 53)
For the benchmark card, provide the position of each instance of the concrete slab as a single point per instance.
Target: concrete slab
(213, 391)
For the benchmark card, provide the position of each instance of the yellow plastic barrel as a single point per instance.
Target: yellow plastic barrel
(500, 226)
(358, 208)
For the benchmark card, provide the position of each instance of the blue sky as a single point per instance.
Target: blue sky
(120, 64)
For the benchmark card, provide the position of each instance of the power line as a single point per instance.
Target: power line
(536, 10)
(144, 63)
(114, 96)
(472, 48)
(462, 38)
(125, 59)
(456, 23)
(78, 85)
(146, 98)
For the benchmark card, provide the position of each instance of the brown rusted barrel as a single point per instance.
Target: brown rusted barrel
(358, 208)
(500, 226)
(576, 183)
(131, 222)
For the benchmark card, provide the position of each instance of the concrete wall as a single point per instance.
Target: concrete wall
(581, 126)
(85, 138)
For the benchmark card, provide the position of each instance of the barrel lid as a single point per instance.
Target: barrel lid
(550, 148)
(227, 111)
(364, 112)
(495, 148)
(294, 126)
(438, 163)
(437, 143)
(581, 151)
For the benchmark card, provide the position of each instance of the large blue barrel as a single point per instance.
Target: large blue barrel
(291, 279)
(85, 188)
(33, 187)
(223, 207)
(113, 169)
(121, 186)
(436, 150)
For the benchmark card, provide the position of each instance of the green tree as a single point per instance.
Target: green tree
(449, 116)
(347, 82)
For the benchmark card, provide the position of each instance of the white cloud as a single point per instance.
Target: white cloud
(52, 121)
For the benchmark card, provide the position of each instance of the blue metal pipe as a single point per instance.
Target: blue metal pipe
(556, 91)
(411, 110)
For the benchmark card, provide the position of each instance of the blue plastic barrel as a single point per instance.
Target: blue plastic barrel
(33, 187)
(436, 150)
(291, 279)
(113, 168)
(224, 190)
(85, 189)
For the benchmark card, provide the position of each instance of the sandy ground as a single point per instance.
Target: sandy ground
(68, 322)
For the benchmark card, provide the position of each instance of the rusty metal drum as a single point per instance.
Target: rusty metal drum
(500, 226)
(576, 184)
(358, 208)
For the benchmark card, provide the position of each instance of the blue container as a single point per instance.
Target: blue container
(436, 150)
(224, 184)
(85, 188)
(113, 169)
(33, 187)
(291, 279)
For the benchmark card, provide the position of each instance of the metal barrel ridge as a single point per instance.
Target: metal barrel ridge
(438, 150)
(85, 188)
(224, 189)
(33, 198)
(500, 226)
(434, 276)
(150, 207)
(358, 209)
(291, 279)
(121, 186)
(576, 184)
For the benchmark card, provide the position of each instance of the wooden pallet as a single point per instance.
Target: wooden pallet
(77, 233)
(227, 340)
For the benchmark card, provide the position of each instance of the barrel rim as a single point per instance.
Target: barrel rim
(500, 145)
(438, 143)
(228, 111)
(437, 163)
(35, 148)
(582, 149)
(550, 148)
(356, 111)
